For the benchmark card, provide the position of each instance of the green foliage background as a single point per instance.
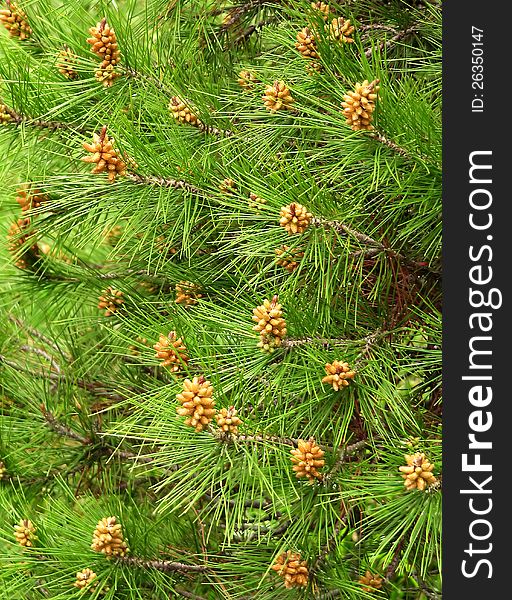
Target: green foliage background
(88, 425)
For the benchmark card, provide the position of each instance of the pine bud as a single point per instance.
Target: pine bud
(277, 97)
(196, 402)
(3, 471)
(292, 569)
(340, 30)
(418, 472)
(307, 459)
(295, 218)
(359, 105)
(288, 258)
(338, 374)
(110, 301)
(321, 7)
(30, 199)
(104, 155)
(84, 579)
(227, 186)
(182, 113)
(371, 582)
(172, 351)
(246, 80)
(306, 43)
(227, 420)
(255, 201)
(17, 240)
(66, 62)
(15, 21)
(108, 538)
(5, 115)
(270, 324)
(187, 293)
(104, 44)
(25, 533)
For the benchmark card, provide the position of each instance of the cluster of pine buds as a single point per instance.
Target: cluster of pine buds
(25, 533)
(277, 97)
(270, 324)
(289, 258)
(227, 186)
(17, 238)
(172, 351)
(255, 201)
(108, 538)
(340, 30)
(30, 199)
(5, 115)
(187, 293)
(84, 578)
(306, 45)
(338, 374)
(370, 582)
(104, 156)
(15, 21)
(227, 420)
(418, 472)
(66, 62)
(3, 471)
(110, 301)
(246, 80)
(322, 8)
(295, 218)
(196, 402)
(359, 105)
(183, 114)
(307, 459)
(292, 569)
(104, 44)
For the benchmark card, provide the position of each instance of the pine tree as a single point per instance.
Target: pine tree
(220, 360)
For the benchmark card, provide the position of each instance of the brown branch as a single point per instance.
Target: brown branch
(34, 332)
(186, 594)
(163, 182)
(166, 566)
(388, 43)
(19, 118)
(61, 429)
(43, 354)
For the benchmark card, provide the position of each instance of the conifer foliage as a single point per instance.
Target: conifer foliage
(220, 355)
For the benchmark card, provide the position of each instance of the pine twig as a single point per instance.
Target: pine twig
(163, 182)
(19, 118)
(388, 43)
(166, 566)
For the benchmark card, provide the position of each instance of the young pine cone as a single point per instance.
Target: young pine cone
(25, 533)
(17, 238)
(418, 472)
(371, 582)
(196, 402)
(307, 459)
(340, 30)
(104, 44)
(104, 155)
(295, 218)
(110, 300)
(187, 293)
(29, 199)
(15, 21)
(66, 61)
(227, 420)
(171, 351)
(227, 186)
(359, 105)
(246, 80)
(288, 258)
(84, 578)
(5, 115)
(321, 7)
(108, 538)
(277, 97)
(292, 569)
(270, 324)
(338, 374)
(306, 44)
(182, 113)
(255, 201)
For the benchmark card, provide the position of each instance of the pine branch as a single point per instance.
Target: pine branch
(166, 566)
(19, 118)
(396, 38)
